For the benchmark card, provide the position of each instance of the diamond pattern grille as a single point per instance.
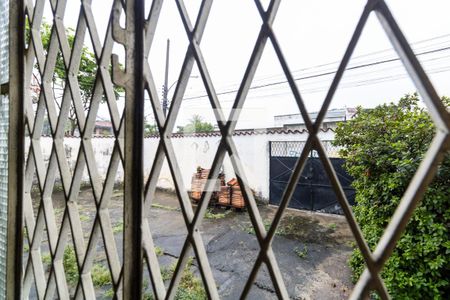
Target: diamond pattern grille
(43, 226)
(58, 234)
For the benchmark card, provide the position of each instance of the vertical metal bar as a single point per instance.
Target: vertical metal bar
(134, 120)
(16, 150)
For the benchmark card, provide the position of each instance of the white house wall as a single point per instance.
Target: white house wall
(191, 152)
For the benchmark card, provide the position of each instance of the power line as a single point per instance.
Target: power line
(427, 61)
(347, 85)
(312, 68)
(88, 82)
(321, 74)
(327, 73)
(352, 84)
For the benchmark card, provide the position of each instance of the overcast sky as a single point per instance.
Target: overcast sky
(313, 36)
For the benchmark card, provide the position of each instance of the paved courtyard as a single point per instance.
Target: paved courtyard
(312, 249)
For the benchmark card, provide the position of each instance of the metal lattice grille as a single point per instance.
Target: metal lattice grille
(286, 149)
(43, 228)
(295, 148)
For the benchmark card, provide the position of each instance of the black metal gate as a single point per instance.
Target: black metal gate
(314, 191)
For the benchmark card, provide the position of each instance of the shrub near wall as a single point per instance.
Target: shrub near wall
(384, 147)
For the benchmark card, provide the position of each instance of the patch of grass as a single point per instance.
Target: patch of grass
(332, 226)
(59, 210)
(35, 189)
(109, 293)
(209, 214)
(100, 275)
(167, 272)
(70, 265)
(191, 287)
(46, 259)
(299, 228)
(26, 248)
(84, 218)
(145, 284)
(148, 296)
(165, 207)
(350, 244)
(58, 187)
(287, 226)
(266, 223)
(118, 227)
(302, 253)
(159, 251)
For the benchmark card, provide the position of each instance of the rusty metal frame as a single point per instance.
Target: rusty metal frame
(136, 79)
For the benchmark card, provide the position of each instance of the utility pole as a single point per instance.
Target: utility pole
(165, 101)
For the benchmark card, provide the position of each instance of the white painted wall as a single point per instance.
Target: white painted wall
(191, 151)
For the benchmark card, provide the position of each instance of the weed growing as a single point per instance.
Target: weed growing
(118, 227)
(302, 253)
(190, 287)
(164, 207)
(159, 251)
(100, 275)
(209, 214)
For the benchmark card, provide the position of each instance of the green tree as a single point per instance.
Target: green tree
(150, 129)
(86, 75)
(196, 124)
(383, 147)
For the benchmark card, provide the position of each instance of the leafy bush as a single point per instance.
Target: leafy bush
(384, 147)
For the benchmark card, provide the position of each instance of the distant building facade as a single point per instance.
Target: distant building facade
(332, 118)
(103, 128)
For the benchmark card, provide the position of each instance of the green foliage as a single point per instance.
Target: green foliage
(191, 287)
(46, 259)
(150, 129)
(100, 275)
(148, 296)
(196, 124)
(251, 230)
(302, 253)
(84, 218)
(384, 147)
(118, 227)
(159, 251)
(109, 293)
(87, 72)
(209, 214)
(70, 265)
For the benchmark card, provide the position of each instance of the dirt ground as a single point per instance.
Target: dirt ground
(312, 249)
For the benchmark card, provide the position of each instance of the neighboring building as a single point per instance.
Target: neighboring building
(103, 128)
(332, 118)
